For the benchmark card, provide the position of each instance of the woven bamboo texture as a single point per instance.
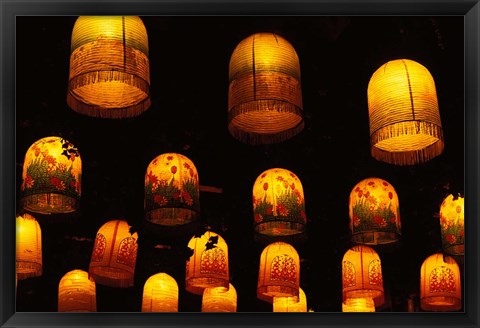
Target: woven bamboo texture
(28, 247)
(160, 294)
(77, 292)
(219, 299)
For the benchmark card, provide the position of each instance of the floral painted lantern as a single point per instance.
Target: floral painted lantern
(28, 247)
(278, 203)
(160, 294)
(114, 255)
(440, 286)
(291, 304)
(358, 305)
(219, 299)
(451, 224)
(374, 213)
(51, 177)
(76, 292)
(171, 190)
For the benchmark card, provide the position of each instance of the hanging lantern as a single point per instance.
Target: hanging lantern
(76, 292)
(114, 255)
(291, 304)
(265, 96)
(219, 299)
(358, 305)
(51, 178)
(171, 190)
(405, 125)
(29, 247)
(160, 294)
(451, 224)
(279, 272)
(374, 213)
(109, 67)
(362, 274)
(208, 265)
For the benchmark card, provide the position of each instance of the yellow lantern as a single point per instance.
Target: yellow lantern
(51, 177)
(358, 305)
(172, 194)
(291, 304)
(114, 255)
(265, 96)
(451, 224)
(76, 292)
(29, 247)
(219, 299)
(109, 67)
(405, 125)
(160, 294)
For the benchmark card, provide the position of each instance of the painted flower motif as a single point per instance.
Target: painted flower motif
(176, 195)
(282, 210)
(55, 181)
(152, 178)
(73, 183)
(29, 181)
(458, 209)
(367, 194)
(285, 184)
(169, 158)
(264, 175)
(191, 172)
(62, 167)
(450, 238)
(462, 233)
(393, 219)
(173, 169)
(186, 165)
(258, 218)
(269, 211)
(292, 186)
(372, 200)
(385, 183)
(72, 157)
(357, 189)
(36, 149)
(187, 198)
(280, 178)
(303, 215)
(160, 200)
(292, 175)
(371, 183)
(390, 195)
(379, 221)
(265, 186)
(356, 221)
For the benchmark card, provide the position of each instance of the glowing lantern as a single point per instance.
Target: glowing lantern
(451, 224)
(51, 178)
(291, 304)
(171, 190)
(219, 299)
(405, 125)
(76, 292)
(160, 294)
(29, 247)
(114, 255)
(358, 305)
(109, 67)
(265, 96)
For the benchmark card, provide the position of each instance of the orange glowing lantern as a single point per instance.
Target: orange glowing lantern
(29, 247)
(160, 294)
(451, 224)
(219, 299)
(358, 305)
(76, 292)
(291, 304)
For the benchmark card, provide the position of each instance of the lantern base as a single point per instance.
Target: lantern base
(111, 277)
(197, 285)
(440, 303)
(372, 238)
(171, 216)
(49, 203)
(279, 228)
(28, 270)
(268, 293)
(375, 294)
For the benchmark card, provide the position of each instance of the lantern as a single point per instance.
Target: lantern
(76, 292)
(114, 255)
(51, 177)
(440, 286)
(109, 68)
(29, 247)
(374, 213)
(219, 299)
(451, 224)
(265, 96)
(160, 294)
(405, 125)
(291, 304)
(362, 274)
(358, 305)
(279, 272)
(171, 190)
(208, 265)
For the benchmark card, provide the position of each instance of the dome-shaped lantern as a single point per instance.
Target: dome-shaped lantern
(76, 292)
(265, 96)
(172, 195)
(452, 225)
(291, 304)
(28, 247)
(51, 177)
(405, 125)
(358, 305)
(219, 299)
(160, 294)
(109, 68)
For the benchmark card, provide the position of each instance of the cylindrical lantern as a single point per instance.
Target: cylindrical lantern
(109, 67)
(208, 265)
(358, 305)
(160, 294)
(51, 178)
(405, 125)
(172, 194)
(451, 224)
(265, 96)
(374, 213)
(279, 272)
(29, 247)
(76, 292)
(114, 255)
(362, 274)
(440, 286)
(219, 299)
(291, 304)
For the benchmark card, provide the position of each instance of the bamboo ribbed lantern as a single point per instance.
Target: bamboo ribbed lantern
(77, 293)
(114, 255)
(160, 294)
(362, 274)
(405, 125)
(358, 305)
(279, 272)
(452, 225)
(171, 190)
(374, 213)
(208, 265)
(51, 177)
(265, 96)
(109, 67)
(28, 247)
(219, 299)
(440, 286)
(291, 304)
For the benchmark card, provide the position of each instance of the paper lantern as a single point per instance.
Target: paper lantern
(278, 203)
(362, 275)
(279, 272)
(405, 125)
(451, 224)
(440, 286)
(265, 96)
(160, 294)
(51, 177)
(291, 304)
(76, 292)
(208, 265)
(358, 305)
(29, 247)
(109, 68)
(374, 213)
(114, 255)
(219, 299)
(171, 190)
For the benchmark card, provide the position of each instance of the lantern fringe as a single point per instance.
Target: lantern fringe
(34, 270)
(375, 237)
(171, 216)
(263, 139)
(113, 279)
(49, 203)
(447, 303)
(294, 227)
(264, 291)
(375, 294)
